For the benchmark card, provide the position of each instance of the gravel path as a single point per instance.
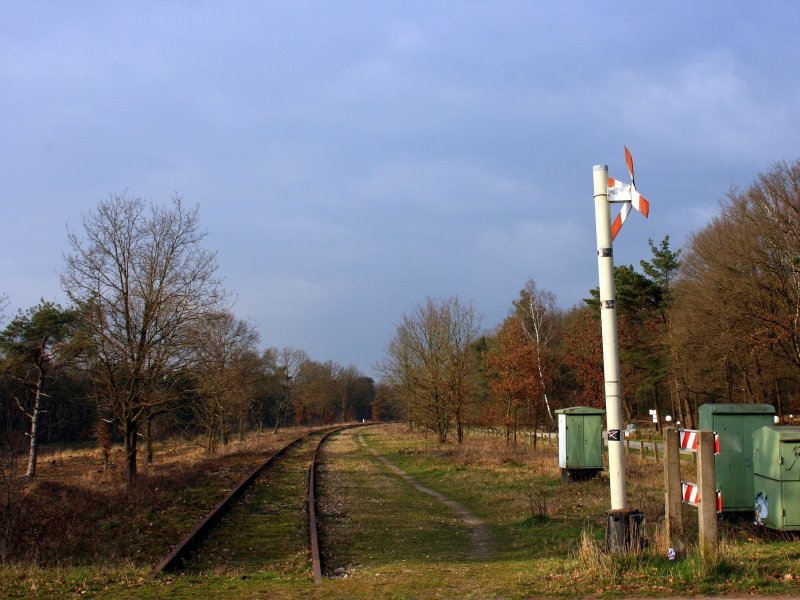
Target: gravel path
(482, 539)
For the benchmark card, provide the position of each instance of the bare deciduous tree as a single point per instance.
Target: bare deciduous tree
(737, 302)
(223, 348)
(141, 280)
(535, 308)
(318, 393)
(430, 362)
(284, 368)
(512, 378)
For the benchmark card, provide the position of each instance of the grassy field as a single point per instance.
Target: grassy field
(381, 538)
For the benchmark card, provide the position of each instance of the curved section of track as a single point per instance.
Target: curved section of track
(313, 532)
(225, 537)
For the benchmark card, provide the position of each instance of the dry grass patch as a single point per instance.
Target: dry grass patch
(383, 539)
(76, 513)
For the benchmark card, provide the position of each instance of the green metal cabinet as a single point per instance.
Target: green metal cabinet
(735, 424)
(580, 442)
(776, 478)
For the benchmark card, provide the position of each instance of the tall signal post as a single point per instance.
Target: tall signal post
(608, 321)
(623, 522)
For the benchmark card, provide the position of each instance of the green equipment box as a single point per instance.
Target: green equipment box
(580, 442)
(776, 479)
(735, 424)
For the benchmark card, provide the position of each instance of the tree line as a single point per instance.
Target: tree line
(149, 347)
(715, 321)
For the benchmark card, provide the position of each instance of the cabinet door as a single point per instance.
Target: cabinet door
(575, 454)
(790, 504)
(593, 442)
(734, 470)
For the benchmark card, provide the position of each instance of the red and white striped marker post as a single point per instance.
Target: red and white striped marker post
(705, 444)
(672, 490)
(688, 440)
(707, 481)
(690, 494)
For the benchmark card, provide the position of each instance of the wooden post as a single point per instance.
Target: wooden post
(707, 482)
(672, 486)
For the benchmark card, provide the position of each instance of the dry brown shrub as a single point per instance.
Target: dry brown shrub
(659, 542)
(592, 556)
(75, 513)
(539, 503)
(493, 452)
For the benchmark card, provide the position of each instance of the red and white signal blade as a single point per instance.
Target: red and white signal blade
(641, 204)
(629, 160)
(620, 192)
(621, 216)
(615, 184)
(626, 195)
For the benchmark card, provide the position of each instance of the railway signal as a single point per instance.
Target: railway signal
(627, 195)
(622, 532)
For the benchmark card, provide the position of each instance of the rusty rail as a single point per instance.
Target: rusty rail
(316, 563)
(313, 533)
(207, 522)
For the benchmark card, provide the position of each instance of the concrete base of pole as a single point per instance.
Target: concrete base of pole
(570, 475)
(624, 530)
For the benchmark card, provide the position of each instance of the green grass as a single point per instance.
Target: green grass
(382, 538)
(266, 530)
(370, 517)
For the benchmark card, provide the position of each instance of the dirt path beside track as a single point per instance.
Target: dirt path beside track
(482, 539)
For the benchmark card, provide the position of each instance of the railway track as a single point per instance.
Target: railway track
(267, 522)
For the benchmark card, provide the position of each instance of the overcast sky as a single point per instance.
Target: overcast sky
(350, 159)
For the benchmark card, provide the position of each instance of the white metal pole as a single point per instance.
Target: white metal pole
(608, 320)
